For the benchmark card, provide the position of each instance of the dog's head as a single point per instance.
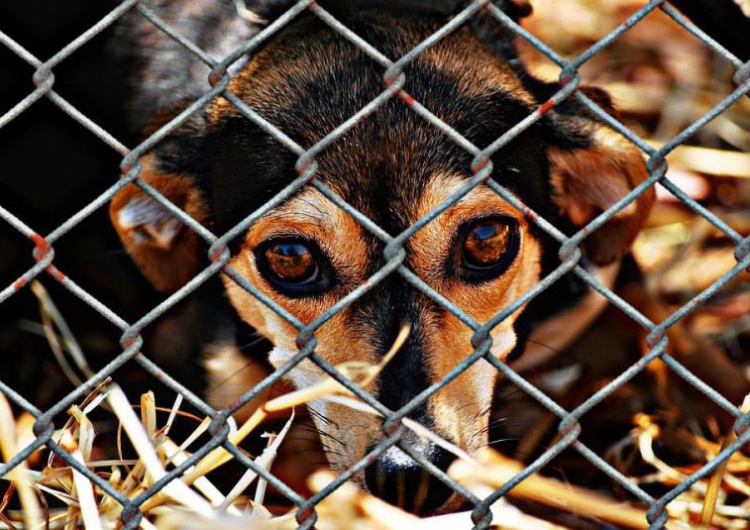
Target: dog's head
(308, 253)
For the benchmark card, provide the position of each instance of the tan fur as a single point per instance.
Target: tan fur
(458, 407)
(310, 215)
(588, 181)
(274, 84)
(230, 374)
(168, 263)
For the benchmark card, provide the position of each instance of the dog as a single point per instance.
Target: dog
(394, 167)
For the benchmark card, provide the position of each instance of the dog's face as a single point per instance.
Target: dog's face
(307, 254)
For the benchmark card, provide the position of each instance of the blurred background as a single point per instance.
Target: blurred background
(662, 79)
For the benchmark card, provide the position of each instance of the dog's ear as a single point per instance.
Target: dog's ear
(591, 168)
(168, 252)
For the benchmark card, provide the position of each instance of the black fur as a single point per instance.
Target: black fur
(306, 81)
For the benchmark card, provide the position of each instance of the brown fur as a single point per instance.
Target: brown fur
(590, 181)
(169, 262)
(391, 167)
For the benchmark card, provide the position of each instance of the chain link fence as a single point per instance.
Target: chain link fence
(45, 264)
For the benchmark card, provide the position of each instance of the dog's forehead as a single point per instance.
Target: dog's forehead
(310, 80)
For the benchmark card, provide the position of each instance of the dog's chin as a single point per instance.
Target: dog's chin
(427, 507)
(455, 503)
(401, 482)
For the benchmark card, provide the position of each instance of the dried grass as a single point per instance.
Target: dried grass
(662, 80)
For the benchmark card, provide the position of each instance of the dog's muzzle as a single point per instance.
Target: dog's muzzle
(399, 480)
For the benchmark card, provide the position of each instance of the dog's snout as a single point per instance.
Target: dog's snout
(399, 480)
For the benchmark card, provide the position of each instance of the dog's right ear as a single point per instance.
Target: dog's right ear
(592, 167)
(168, 252)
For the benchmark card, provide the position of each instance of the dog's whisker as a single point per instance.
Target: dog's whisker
(544, 345)
(258, 340)
(310, 254)
(500, 441)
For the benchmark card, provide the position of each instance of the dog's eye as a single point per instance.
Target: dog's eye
(292, 262)
(293, 266)
(487, 248)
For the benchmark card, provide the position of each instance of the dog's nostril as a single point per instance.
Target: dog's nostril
(399, 480)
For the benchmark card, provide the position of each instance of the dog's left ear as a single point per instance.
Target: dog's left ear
(591, 168)
(168, 253)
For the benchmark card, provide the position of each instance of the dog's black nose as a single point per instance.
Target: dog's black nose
(399, 480)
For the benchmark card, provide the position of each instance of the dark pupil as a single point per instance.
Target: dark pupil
(291, 262)
(486, 244)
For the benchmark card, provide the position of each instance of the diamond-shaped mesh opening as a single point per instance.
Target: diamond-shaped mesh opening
(16, 79)
(80, 160)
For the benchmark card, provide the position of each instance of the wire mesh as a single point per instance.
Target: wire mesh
(394, 255)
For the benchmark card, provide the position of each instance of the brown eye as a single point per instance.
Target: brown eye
(292, 262)
(488, 247)
(295, 267)
(486, 244)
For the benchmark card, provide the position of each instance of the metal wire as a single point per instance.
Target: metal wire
(43, 253)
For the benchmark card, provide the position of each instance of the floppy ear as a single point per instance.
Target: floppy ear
(168, 253)
(590, 171)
